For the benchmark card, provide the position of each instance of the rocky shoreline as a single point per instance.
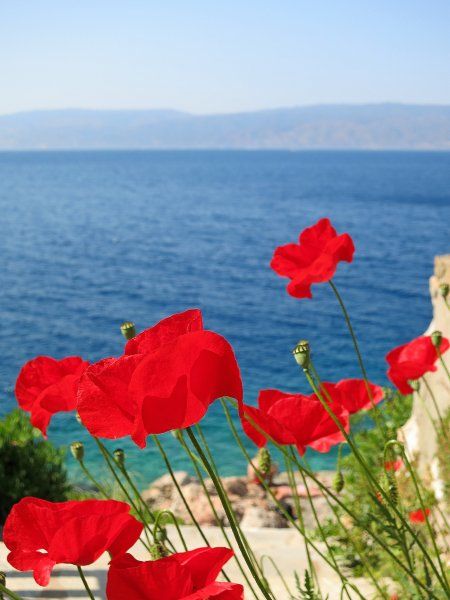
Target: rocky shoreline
(253, 506)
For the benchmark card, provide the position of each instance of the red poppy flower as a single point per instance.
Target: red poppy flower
(314, 259)
(183, 576)
(419, 516)
(178, 372)
(46, 386)
(354, 395)
(295, 419)
(41, 534)
(411, 361)
(393, 465)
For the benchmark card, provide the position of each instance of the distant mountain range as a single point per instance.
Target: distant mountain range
(370, 126)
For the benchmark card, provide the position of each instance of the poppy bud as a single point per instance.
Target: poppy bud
(338, 482)
(436, 338)
(301, 353)
(158, 550)
(119, 457)
(414, 384)
(128, 330)
(393, 489)
(444, 289)
(77, 449)
(264, 461)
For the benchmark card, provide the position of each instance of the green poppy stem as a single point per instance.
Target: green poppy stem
(371, 479)
(280, 575)
(377, 413)
(92, 479)
(85, 583)
(319, 525)
(299, 511)
(267, 488)
(9, 593)
(346, 509)
(436, 407)
(427, 410)
(137, 494)
(214, 466)
(423, 508)
(231, 518)
(110, 462)
(199, 474)
(178, 488)
(175, 522)
(442, 361)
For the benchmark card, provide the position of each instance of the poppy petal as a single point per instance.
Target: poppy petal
(105, 405)
(218, 591)
(204, 564)
(287, 260)
(163, 579)
(412, 361)
(39, 563)
(165, 331)
(183, 376)
(40, 534)
(355, 396)
(46, 386)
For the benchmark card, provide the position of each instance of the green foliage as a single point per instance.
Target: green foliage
(29, 465)
(307, 590)
(443, 452)
(354, 547)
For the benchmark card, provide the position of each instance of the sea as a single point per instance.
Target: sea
(91, 239)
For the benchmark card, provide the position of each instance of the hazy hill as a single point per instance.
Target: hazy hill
(371, 126)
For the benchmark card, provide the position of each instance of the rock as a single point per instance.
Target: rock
(418, 432)
(210, 487)
(258, 516)
(182, 478)
(251, 504)
(163, 487)
(199, 505)
(235, 486)
(192, 492)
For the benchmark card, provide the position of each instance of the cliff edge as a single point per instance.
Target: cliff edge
(419, 432)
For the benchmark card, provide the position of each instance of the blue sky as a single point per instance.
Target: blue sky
(216, 56)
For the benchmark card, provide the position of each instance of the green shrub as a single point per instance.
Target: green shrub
(29, 465)
(372, 512)
(443, 452)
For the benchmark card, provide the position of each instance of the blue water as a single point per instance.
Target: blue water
(90, 239)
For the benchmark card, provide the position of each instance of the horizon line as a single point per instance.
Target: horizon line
(225, 113)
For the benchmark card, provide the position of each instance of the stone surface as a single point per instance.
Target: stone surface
(261, 516)
(252, 505)
(285, 546)
(419, 433)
